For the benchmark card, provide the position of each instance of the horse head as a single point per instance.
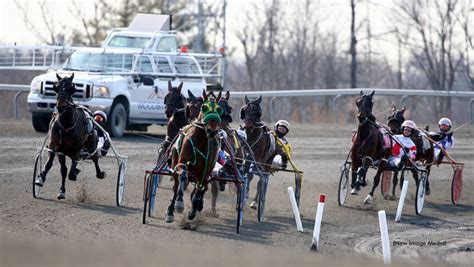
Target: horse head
(193, 108)
(211, 113)
(174, 100)
(365, 103)
(64, 89)
(251, 113)
(395, 120)
(227, 109)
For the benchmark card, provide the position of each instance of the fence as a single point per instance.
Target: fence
(337, 93)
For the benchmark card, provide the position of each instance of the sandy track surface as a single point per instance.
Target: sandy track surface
(88, 229)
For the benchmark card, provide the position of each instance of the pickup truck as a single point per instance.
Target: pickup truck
(127, 77)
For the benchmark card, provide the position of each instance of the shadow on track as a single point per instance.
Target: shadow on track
(108, 209)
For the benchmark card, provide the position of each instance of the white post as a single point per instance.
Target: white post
(317, 223)
(384, 235)
(403, 194)
(296, 212)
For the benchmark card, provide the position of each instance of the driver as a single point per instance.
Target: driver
(103, 144)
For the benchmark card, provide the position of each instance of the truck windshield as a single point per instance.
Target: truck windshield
(103, 62)
(129, 41)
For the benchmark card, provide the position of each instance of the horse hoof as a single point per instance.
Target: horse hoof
(214, 214)
(102, 175)
(179, 206)
(355, 191)
(39, 181)
(368, 199)
(72, 177)
(253, 205)
(169, 219)
(191, 215)
(61, 195)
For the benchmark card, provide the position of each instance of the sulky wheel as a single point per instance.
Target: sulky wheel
(420, 194)
(120, 184)
(36, 172)
(343, 186)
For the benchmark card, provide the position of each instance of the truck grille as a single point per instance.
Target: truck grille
(83, 91)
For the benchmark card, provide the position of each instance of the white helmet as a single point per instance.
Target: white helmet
(409, 124)
(283, 123)
(101, 114)
(445, 121)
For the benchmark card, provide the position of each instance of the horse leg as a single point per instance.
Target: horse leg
(42, 177)
(197, 203)
(254, 203)
(214, 194)
(380, 170)
(73, 171)
(362, 171)
(169, 214)
(357, 170)
(98, 173)
(179, 204)
(427, 189)
(62, 190)
(394, 182)
(415, 176)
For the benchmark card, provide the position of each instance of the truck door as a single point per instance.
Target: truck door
(147, 100)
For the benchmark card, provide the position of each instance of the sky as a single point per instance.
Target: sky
(336, 13)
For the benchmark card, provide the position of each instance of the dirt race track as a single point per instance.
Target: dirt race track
(87, 229)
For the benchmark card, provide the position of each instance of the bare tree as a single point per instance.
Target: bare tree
(433, 44)
(53, 27)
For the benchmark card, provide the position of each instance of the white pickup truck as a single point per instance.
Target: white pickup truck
(128, 76)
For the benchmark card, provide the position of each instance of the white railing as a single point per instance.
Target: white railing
(46, 57)
(33, 57)
(337, 93)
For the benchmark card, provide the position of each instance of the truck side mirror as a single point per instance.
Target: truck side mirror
(148, 81)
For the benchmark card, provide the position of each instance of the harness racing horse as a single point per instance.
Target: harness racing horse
(194, 156)
(260, 140)
(175, 110)
(367, 147)
(424, 149)
(395, 120)
(193, 108)
(69, 136)
(234, 142)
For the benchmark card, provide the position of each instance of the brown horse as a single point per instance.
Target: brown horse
(368, 147)
(69, 136)
(234, 142)
(260, 140)
(194, 157)
(193, 108)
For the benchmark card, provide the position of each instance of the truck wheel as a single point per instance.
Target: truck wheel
(40, 123)
(117, 120)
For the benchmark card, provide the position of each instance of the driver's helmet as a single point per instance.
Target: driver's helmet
(284, 124)
(445, 121)
(409, 124)
(100, 116)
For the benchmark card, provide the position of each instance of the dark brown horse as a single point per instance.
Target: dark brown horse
(260, 140)
(175, 110)
(68, 136)
(395, 120)
(424, 149)
(368, 147)
(194, 158)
